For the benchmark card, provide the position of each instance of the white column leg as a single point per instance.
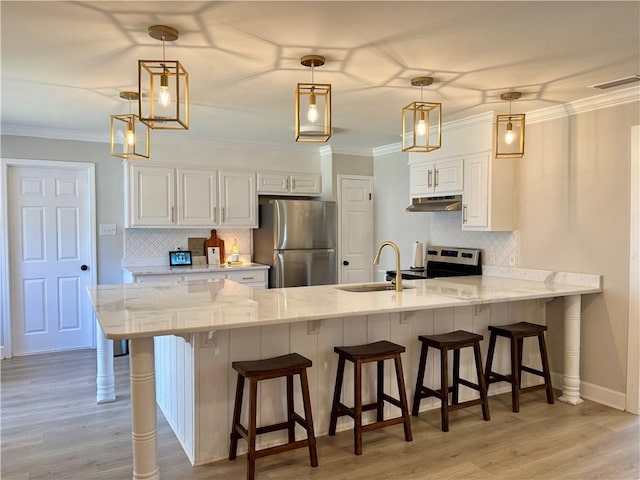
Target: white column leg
(105, 379)
(571, 377)
(143, 409)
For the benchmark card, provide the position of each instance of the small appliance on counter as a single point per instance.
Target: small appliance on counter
(445, 262)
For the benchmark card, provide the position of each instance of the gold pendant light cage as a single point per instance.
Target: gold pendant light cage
(313, 106)
(129, 136)
(163, 87)
(510, 131)
(421, 122)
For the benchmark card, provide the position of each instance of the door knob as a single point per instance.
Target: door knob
(345, 262)
(84, 268)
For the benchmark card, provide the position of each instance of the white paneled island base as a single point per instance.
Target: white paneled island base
(199, 328)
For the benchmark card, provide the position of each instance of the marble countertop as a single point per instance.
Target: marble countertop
(164, 269)
(151, 309)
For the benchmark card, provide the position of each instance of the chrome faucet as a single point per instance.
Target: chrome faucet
(376, 261)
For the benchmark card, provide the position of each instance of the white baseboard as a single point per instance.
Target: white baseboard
(595, 393)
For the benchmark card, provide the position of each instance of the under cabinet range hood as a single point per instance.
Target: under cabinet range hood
(435, 204)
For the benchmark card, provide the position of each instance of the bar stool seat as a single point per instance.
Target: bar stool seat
(516, 333)
(256, 370)
(359, 355)
(445, 342)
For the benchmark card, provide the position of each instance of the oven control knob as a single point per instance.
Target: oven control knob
(345, 262)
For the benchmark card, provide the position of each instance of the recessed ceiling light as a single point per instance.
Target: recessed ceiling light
(617, 83)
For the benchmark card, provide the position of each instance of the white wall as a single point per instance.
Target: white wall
(573, 215)
(390, 198)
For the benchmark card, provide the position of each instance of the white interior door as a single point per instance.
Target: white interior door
(356, 230)
(50, 233)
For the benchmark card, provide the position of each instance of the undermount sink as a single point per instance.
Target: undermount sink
(370, 287)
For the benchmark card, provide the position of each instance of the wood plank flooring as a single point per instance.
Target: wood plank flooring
(52, 428)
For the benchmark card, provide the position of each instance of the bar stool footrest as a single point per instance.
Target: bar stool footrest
(285, 447)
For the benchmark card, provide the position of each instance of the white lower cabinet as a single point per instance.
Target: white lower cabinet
(488, 200)
(255, 277)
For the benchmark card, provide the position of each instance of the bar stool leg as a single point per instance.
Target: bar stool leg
(491, 351)
(253, 407)
(313, 451)
(237, 409)
(515, 384)
(444, 390)
(336, 396)
(404, 406)
(417, 394)
(291, 430)
(357, 407)
(520, 350)
(545, 368)
(380, 392)
(481, 381)
(456, 377)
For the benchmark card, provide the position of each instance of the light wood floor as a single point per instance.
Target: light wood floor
(52, 428)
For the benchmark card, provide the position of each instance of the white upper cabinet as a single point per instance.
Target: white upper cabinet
(434, 178)
(289, 184)
(238, 200)
(488, 201)
(197, 197)
(189, 197)
(151, 196)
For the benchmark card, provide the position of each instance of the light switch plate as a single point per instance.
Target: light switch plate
(108, 229)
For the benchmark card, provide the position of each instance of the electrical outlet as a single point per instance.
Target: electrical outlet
(107, 229)
(513, 259)
(492, 258)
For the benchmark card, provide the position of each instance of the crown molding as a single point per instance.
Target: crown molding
(54, 133)
(387, 149)
(344, 150)
(605, 100)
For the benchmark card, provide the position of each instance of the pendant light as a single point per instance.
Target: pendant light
(163, 87)
(129, 136)
(510, 131)
(421, 122)
(313, 106)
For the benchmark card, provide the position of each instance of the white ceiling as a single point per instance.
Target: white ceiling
(64, 63)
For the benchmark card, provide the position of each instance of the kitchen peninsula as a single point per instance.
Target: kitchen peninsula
(213, 323)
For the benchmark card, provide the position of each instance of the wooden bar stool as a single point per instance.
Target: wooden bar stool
(445, 342)
(516, 333)
(256, 370)
(360, 354)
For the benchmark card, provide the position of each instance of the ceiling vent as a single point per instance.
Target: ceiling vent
(617, 83)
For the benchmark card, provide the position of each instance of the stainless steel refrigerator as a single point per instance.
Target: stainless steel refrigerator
(297, 238)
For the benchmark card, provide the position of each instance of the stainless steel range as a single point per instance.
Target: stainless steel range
(445, 262)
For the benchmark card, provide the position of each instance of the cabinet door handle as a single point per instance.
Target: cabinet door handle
(464, 213)
(222, 216)
(293, 184)
(172, 208)
(215, 214)
(436, 179)
(286, 183)
(429, 175)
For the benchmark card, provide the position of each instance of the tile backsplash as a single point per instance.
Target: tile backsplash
(498, 248)
(151, 246)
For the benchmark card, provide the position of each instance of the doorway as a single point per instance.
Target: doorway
(355, 229)
(48, 256)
